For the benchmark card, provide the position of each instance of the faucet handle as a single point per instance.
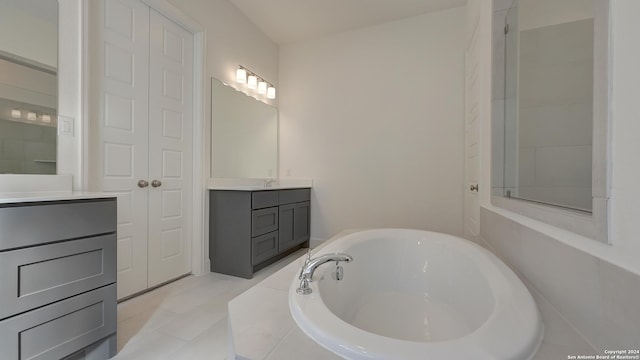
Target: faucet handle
(306, 261)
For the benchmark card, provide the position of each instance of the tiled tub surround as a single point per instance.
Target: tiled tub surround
(597, 297)
(261, 326)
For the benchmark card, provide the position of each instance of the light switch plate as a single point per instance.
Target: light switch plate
(65, 125)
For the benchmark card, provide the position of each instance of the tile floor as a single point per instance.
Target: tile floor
(186, 319)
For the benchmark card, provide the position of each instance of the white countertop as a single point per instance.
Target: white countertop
(257, 184)
(256, 187)
(10, 198)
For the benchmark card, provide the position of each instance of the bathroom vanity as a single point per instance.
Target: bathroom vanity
(58, 273)
(250, 228)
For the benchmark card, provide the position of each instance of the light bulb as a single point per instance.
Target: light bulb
(46, 118)
(31, 116)
(16, 114)
(271, 92)
(241, 75)
(262, 87)
(252, 82)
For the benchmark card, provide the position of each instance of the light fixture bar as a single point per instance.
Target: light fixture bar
(255, 82)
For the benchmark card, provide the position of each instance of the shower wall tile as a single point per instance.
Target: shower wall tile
(563, 166)
(498, 56)
(13, 149)
(497, 146)
(526, 167)
(556, 125)
(22, 143)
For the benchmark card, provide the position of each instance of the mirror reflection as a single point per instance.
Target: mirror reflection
(244, 135)
(547, 100)
(28, 86)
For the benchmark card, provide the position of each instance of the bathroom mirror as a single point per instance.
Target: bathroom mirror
(28, 86)
(244, 135)
(550, 103)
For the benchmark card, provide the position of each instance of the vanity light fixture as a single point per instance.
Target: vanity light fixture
(252, 82)
(241, 75)
(255, 82)
(31, 116)
(46, 118)
(16, 114)
(262, 87)
(271, 92)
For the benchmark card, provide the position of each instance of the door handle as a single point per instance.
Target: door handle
(474, 187)
(156, 183)
(143, 183)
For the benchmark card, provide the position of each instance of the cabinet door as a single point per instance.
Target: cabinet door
(301, 220)
(293, 226)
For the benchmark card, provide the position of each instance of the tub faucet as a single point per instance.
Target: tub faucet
(311, 265)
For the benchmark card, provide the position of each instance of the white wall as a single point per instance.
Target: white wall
(595, 286)
(231, 40)
(376, 117)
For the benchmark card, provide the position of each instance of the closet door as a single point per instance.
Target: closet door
(145, 79)
(123, 26)
(170, 129)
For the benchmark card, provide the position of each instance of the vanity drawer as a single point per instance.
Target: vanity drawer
(263, 199)
(62, 328)
(44, 222)
(294, 195)
(43, 274)
(264, 221)
(264, 247)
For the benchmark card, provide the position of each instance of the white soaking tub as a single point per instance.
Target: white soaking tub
(411, 294)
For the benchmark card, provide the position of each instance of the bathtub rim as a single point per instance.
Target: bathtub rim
(339, 337)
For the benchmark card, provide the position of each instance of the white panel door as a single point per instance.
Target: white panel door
(123, 133)
(170, 129)
(472, 111)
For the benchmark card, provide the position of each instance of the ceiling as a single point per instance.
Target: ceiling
(289, 21)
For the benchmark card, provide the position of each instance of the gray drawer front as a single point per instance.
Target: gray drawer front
(47, 222)
(294, 195)
(264, 221)
(48, 273)
(60, 329)
(263, 199)
(264, 247)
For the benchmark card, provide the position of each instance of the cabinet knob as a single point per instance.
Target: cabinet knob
(156, 183)
(143, 183)
(474, 187)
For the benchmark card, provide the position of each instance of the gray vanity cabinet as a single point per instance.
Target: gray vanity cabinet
(249, 230)
(58, 269)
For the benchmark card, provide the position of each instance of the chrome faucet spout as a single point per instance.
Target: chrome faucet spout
(306, 274)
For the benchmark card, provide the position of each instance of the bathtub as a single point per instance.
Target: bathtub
(411, 294)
